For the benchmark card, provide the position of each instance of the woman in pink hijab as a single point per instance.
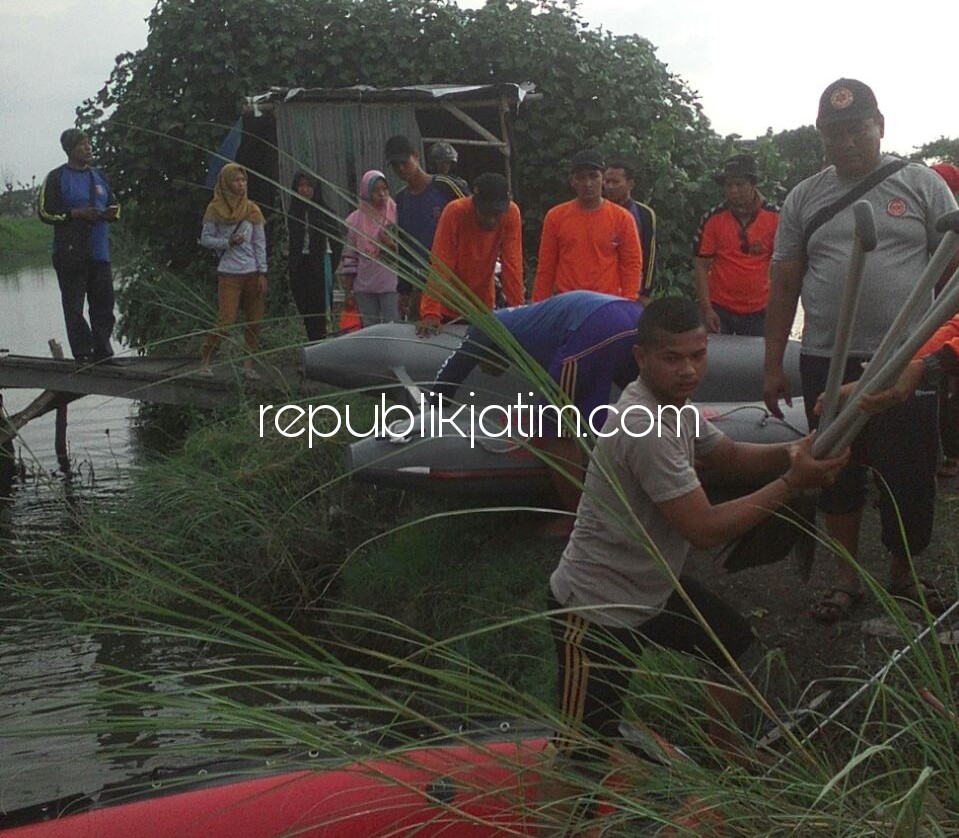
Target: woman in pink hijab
(368, 264)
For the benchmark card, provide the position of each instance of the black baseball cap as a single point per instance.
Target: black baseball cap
(491, 192)
(399, 149)
(590, 158)
(739, 165)
(846, 100)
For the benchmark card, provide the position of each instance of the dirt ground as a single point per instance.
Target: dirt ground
(777, 601)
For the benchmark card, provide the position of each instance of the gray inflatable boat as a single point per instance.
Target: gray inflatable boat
(389, 357)
(459, 458)
(464, 462)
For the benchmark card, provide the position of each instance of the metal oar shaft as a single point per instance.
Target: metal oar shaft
(920, 296)
(863, 243)
(896, 657)
(850, 419)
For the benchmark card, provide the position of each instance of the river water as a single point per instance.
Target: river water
(51, 677)
(99, 432)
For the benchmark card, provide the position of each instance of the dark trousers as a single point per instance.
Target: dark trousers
(949, 417)
(900, 445)
(596, 662)
(733, 323)
(92, 283)
(309, 293)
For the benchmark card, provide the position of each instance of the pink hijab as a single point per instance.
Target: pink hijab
(366, 222)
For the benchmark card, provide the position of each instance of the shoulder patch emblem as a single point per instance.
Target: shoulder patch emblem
(896, 207)
(841, 98)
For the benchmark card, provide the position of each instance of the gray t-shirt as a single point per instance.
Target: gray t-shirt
(607, 560)
(906, 206)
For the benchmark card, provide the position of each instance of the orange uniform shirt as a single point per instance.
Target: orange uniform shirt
(588, 250)
(739, 274)
(465, 253)
(946, 335)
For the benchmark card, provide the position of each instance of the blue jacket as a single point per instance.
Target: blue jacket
(65, 189)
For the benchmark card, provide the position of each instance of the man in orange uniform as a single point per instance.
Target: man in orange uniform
(589, 243)
(936, 358)
(733, 249)
(472, 234)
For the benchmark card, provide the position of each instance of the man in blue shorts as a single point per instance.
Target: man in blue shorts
(584, 340)
(419, 205)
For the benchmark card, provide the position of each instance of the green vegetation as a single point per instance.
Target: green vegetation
(412, 619)
(267, 519)
(168, 105)
(945, 150)
(24, 240)
(888, 767)
(388, 609)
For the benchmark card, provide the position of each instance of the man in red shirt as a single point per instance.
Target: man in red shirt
(589, 243)
(733, 249)
(472, 234)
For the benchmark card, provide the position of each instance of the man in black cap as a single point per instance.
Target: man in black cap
(811, 259)
(732, 251)
(443, 158)
(77, 200)
(419, 205)
(589, 243)
(472, 235)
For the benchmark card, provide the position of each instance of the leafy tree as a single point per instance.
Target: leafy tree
(943, 150)
(801, 151)
(165, 106)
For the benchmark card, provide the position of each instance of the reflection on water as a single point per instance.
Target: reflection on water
(98, 431)
(53, 680)
(50, 679)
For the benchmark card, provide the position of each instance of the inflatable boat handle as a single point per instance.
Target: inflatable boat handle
(409, 385)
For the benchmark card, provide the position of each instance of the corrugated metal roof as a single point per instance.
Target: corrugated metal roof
(381, 95)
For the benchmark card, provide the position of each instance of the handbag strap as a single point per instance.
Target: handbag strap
(865, 185)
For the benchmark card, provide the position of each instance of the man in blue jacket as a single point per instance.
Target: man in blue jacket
(77, 200)
(584, 340)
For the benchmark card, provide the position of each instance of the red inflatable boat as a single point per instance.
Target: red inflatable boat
(476, 790)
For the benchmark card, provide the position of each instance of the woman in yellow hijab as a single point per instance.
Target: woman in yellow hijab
(233, 227)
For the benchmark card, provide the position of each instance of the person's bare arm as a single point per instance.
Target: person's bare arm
(749, 463)
(704, 525)
(785, 283)
(701, 266)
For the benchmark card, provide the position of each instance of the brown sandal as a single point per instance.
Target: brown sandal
(914, 592)
(835, 604)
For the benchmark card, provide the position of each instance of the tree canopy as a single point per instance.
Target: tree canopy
(943, 150)
(167, 105)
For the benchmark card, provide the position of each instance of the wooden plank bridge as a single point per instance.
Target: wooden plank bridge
(171, 381)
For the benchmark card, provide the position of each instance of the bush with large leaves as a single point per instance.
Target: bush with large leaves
(166, 105)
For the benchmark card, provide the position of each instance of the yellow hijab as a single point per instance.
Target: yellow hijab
(229, 207)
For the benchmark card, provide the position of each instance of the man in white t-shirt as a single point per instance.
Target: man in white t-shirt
(642, 508)
(810, 262)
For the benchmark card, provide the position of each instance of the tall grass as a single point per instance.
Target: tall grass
(420, 631)
(888, 769)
